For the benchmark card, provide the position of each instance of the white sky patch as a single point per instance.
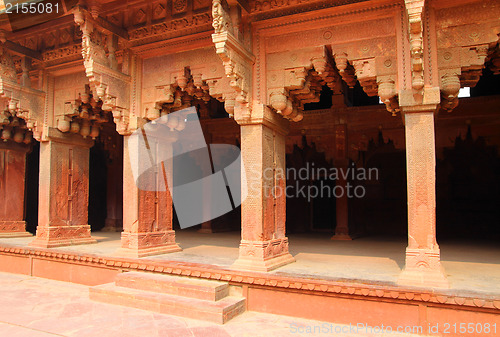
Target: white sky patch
(464, 92)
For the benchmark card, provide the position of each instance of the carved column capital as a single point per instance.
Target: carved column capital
(107, 83)
(237, 60)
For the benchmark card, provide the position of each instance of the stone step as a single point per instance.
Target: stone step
(217, 312)
(174, 285)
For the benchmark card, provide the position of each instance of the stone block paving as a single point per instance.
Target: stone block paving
(36, 307)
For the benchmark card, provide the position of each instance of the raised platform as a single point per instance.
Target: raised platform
(337, 281)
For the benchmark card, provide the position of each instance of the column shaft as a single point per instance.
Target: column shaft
(147, 214)
(264, 245)
(423, 265)
(63, 191)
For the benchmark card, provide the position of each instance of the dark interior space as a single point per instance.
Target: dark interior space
(303, 213)
(468, 190)
(32, 178)
(356, 96)
(325, 100)
(97, 186)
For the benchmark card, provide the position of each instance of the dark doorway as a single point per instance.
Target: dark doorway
(31, 183)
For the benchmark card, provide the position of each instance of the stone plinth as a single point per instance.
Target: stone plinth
(63, 191)
(12, 180)
(423, 266)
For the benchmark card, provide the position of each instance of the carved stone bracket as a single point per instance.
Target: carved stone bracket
(464, 48)
(193, 85)
(414, 10)
(106, 82)
(237, 60)
(295, 78)
(21, 116)
(494, 60)
(376, 75)
(83, 116)
(459, 67)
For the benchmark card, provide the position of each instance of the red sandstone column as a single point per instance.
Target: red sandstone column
(264, 245)
(147, 216)
(63, 190)
(423, 265)
(341, 163)
(12, 175)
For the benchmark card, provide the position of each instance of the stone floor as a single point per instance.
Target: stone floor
(35, 307)
(470, 266)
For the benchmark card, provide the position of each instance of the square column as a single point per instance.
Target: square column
(147, 214)
(12, 188)
(423, 265)
(63, 190)
(264, 245)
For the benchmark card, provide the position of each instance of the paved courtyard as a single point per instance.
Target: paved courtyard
(36, 307)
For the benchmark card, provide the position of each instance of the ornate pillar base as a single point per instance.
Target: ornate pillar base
(263, 256)
(423, 268)
(58, 236)
(112, 225)
(146, 244)
(13, 229)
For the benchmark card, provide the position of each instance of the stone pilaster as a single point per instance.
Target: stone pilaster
(423, 265)
(264, 245)
(12, 180)
(63, 190)
(147, 214)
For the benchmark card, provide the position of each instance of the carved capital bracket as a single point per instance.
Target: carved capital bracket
(83, 115)
(295, 78)
(108, 84)
(21, 117)
(237, 60)
(377, 75)
(460, 67)
(187, 88)
(415, 9)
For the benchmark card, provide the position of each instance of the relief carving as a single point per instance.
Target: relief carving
(108, 84)
(237, 60)
(21, 116)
